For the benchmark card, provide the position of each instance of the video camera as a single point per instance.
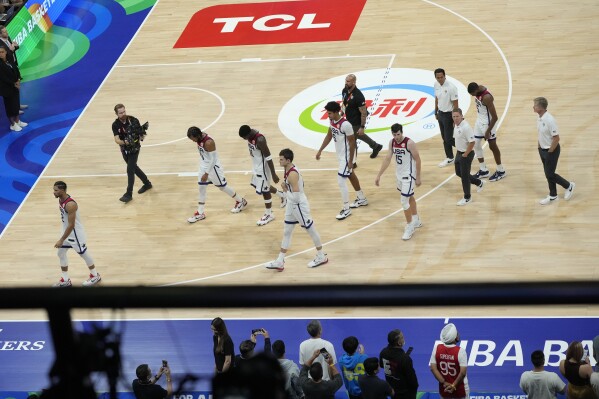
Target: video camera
(134, 135)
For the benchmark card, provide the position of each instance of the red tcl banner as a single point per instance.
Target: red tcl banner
(272, 23)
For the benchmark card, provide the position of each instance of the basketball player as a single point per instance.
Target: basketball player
(263, 170)
(211, 172)
(485, 129)
(73, 236)
(342, 132)
(449, 364)
(297, 211)
(407, 172)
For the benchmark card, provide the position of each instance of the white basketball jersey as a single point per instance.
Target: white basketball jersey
(482, 112)
(258, 160)
(404, 161)
(341, 130)
(78, 233)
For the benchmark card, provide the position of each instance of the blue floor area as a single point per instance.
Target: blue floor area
(498, 349)
(56, 101)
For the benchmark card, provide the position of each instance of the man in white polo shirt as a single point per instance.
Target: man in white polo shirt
(446, 100)
(549, 150)
(464, 142)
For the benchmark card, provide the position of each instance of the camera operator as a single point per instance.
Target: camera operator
(129, 134)
(145, 387)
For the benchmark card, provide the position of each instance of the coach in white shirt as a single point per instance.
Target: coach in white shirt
(549, 150)
(446, 100)
(464, 142)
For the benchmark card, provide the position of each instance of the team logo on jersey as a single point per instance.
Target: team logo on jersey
(398, 95)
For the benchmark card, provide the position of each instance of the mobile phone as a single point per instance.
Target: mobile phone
(585, 355)
(324, 353)
(164, 363)
(410, 349)
(257, 331)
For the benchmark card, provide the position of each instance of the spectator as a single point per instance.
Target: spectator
(595, 375)
(9, 90)
(246, 348)
(541, 384)
(145, 387)
(291, 371)
(373, 387)
(352, 366)
(315, 342)
(449, 365)
(317, 387)
(399, 370)
(577, 370)
(223, 348)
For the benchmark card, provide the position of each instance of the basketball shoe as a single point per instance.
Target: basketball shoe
(92, 280)
(196, 217)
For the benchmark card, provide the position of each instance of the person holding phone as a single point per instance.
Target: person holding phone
(398, 367)
(576, 368)
(315, 342)
(246, 348)
(314, 385)
(145, 387)
(449, 364)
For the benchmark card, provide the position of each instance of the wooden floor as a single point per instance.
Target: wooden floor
(550, 50)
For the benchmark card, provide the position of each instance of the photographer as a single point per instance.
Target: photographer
(145, 387)
(246, 348)
(129, 134)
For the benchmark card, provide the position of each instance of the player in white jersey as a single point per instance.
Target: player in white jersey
(211, 172)
(407, 172)
(73, 236)
(341, 131)
(484, 128)
(297, 211)
(549, 150)
(263, 170)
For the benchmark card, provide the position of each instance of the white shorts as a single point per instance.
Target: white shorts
(405, 185)
(75, 244)
(261, 181)
(481, 127)
(298, 213)
(216, 176)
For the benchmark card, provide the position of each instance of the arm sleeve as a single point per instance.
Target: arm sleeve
(433, 356)
(462, 358)
(552, 125)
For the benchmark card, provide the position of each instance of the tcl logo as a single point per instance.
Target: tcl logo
(271, 23)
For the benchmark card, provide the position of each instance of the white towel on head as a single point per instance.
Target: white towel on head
(449, 333)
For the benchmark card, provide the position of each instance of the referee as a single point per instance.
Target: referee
(446, 100)
(354, 107)
(549, 150)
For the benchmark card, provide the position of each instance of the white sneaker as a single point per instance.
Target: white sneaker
(276, 265)
(464, 201)
(446, 162)
(92, 280)
(265, 219)
(239, 206)
(22, 124)
(343, 214)
(319, 260)
(358, 203)
(569, 191)
(62, 283)
(417, 223)
(283, 201)
(15, 127)
(547, 200)
(408, 232)
(481, 187)
(196, 217)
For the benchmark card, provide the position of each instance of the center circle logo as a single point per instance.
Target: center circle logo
(397, 95)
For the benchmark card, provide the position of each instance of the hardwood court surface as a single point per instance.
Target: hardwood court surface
(504, 235)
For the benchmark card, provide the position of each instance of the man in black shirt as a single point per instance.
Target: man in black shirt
(145, 387)
(317, 388)
(130, 147)
(354, 107)
(398, 367)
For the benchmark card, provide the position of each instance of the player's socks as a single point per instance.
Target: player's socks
(65, 276)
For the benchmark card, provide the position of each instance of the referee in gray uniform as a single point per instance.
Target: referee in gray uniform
(446, 100)
(549, 150)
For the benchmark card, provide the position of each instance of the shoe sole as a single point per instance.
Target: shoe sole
(261, 223)
(343, 218)
(85, 284)
(357, 206)
(320, 264)
(498, 178)
(279, 269)
(463, 204)
(235, 210)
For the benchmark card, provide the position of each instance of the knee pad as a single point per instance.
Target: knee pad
(89, 261)
(202, 195)
(405, 202)
(62, 256)
(287, 231)
(478, 148)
